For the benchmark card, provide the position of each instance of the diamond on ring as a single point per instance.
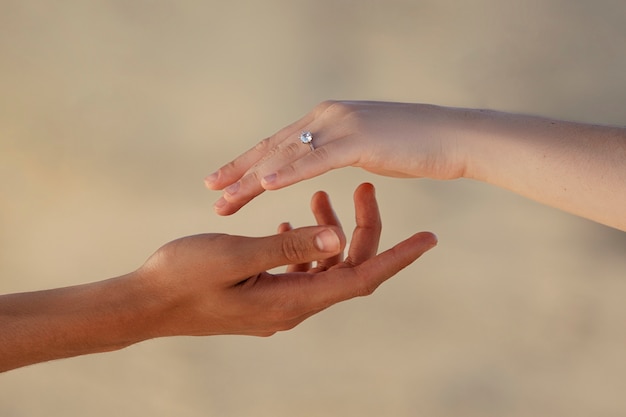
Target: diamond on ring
(307, 139)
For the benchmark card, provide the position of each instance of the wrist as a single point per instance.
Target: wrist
(109, 315)
(141, 308)
(451, 134)
(473, 148)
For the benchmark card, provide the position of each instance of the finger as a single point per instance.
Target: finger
(225, 205)
(323, 210)
(366, 235)
(334, 153)
(232, 171)
(335, 285)
(298, 246)
(284, 227)
(330, 150)
(235, 169)
(249, 186)
(244, 188)
(325, 215)
(303, 267)
(241, 192)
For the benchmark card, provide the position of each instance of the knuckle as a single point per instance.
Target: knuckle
(320, 154)
(256, 176)
(282, 152)
(292, 150)
(264, 145)
(340, 108)
(231, 166)
(293, 249)
(371, 225)
(324, 105)
(351, 115)
(289, 171)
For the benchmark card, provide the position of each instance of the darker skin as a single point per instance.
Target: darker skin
(199, 286)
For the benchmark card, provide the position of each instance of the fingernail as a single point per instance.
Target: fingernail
(327, 241)
(219, 203)
(212, 177)
(270, 178)
(233, 188)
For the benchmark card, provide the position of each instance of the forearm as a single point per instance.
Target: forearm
(574, 167)
(45, 325)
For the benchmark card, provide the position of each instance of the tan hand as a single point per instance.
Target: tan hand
(217, 284)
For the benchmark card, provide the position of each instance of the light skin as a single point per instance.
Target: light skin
(210, 284)
(575, 167)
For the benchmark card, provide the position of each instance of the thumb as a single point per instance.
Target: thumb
(296, 246)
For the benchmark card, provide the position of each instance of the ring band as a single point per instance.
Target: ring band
(307, 138)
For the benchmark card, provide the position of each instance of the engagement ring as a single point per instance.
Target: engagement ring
(307, 139)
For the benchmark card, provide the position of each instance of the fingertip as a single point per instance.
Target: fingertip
(284, 227)
(210, 181)
(429, 238)
(366, 186)
(220, 204)
(223, 208)
(422, 242)
(365, 192)
(319, 197)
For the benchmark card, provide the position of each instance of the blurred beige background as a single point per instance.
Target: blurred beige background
(112, 112)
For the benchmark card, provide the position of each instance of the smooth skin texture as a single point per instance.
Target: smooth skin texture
(575, 167)
(210, 284)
